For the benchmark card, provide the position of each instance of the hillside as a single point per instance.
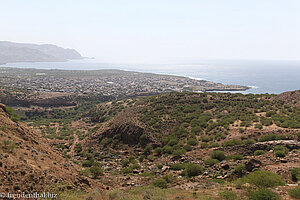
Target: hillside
(21, 52)
(177, 145)
(29, 164)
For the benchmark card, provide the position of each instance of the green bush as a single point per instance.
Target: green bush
(272, 137)
(204, 145)
(127, 170)
(280, 151)
(295, 192)
(264, 194)
(295, 173)
(217, 154)
(167, 149)
(264, 179)
(136, 166)
(280, 154)
(211, 161)
(96, 171)
(228, 195)
(192, 142)
(193, 170)
(235, 157)
(147, 150)
(187, 147)
(168, 178)
(259, 152)
(158, 150)
(12, 114)
(125, 162)
(177, 166)
(161, 183)
(298, 136)
(240, 170)
(281, 148)
(177, 153)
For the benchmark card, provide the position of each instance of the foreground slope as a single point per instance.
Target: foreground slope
(29, 164)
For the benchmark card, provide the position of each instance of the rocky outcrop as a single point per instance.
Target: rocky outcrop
(128, 133)
(251, 148)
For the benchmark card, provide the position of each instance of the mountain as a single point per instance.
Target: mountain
(22, 52)
(29, 164)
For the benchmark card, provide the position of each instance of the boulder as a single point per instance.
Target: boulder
(251, 164)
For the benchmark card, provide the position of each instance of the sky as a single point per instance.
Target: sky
(158, 31)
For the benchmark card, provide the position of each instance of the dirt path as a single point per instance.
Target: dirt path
(74, 143)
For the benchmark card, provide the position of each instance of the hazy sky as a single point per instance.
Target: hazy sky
(154, 31)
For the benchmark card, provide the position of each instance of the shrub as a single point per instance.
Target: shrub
(8, 146)
(236, 157)
(249, 141)
(193, 170)
(204, 145)
(264, 194)
(136, 166)
(12, 114)
(280, 151)
(295, 192)
(239, 170)
(259, 126)
(167, 149)
(173, 141)
(158, 150)
(211, 161)
(298, 136)
(177, 153)
(264, 179)
(127, 170)
(228, 195)
(280, 154)
(192, 142)
(161, 183)
(219, 155)
(147, 149)
(259, 152)
(281, 148)
(272, 137)
(96, 171)
(168, 178)
(88, 163)
(187, 147)
(295, 173)
(177, 166)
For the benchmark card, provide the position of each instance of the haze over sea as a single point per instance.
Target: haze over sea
(263, 76)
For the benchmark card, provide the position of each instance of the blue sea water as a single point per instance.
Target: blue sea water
(263, 76)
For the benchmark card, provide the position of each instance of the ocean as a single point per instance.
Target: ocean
(262, 76)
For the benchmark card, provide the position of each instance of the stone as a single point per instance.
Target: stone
(251, 164)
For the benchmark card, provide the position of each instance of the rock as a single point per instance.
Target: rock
(165, 168)
(251, 164)
(225, 166)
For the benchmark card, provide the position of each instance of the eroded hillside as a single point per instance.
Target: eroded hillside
(29, 164)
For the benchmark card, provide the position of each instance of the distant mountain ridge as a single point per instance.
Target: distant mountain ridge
(25, 52)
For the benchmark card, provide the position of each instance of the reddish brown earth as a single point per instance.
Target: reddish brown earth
(29, 164)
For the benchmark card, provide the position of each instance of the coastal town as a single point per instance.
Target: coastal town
(116, 83)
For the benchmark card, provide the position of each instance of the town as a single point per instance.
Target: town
(116, 83)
